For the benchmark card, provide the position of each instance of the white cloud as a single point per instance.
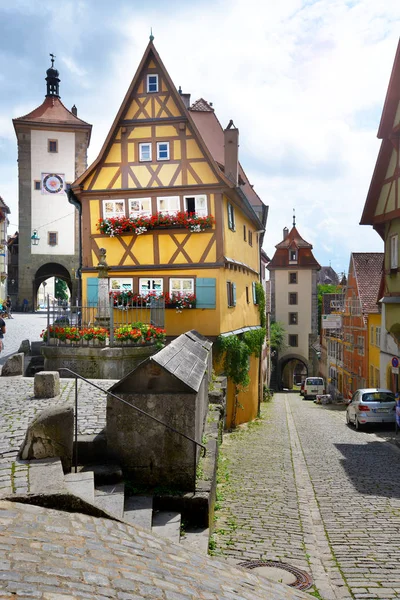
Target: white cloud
(304, 82)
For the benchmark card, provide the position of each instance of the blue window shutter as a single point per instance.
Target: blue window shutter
(205, 292)
(92, 291)
(254, 293)
(234, 293)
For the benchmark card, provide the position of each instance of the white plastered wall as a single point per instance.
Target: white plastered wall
(53, 212)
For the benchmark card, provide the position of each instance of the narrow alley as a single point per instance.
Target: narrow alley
(302, 487)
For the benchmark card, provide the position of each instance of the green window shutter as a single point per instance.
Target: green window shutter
(234, 293)
(205, 292)
(254, 293)
(92, 291)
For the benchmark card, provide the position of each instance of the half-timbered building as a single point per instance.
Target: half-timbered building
(169, 202)
(382, 211)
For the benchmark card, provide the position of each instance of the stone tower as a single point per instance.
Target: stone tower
(52, 152)
(294, 303)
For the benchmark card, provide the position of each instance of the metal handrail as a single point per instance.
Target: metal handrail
(77, 376)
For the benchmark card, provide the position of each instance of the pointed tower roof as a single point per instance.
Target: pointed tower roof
(52, 111)
(293, 241)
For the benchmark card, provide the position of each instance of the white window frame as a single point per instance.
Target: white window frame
(142, 212)
(120, 284)
(394, 251)
(50, 233)
(360, 345)
(181, 289)
(231, 217)
(378, 336)
(159, 151)
(200, 211)
(149, 76)
(142, 145)
(170, 201)
(372, 335)
(156, 286)
(293, 260)
(114, 212)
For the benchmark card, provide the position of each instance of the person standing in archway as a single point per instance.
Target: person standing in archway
(8, 307)
(2, 332)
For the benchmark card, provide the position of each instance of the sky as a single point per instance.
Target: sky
(303, 80)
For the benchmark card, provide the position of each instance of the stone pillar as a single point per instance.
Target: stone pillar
(103, 302)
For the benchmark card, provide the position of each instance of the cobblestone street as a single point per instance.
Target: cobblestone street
(23, 326)
(302, 487)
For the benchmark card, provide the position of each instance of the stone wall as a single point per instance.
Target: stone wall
(95, 363)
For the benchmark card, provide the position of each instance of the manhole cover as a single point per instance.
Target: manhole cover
(280, 572)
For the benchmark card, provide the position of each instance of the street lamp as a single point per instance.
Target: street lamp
(35, 239)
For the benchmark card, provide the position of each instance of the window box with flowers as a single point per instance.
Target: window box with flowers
(177, 300)
(138, 225)
(139, 334)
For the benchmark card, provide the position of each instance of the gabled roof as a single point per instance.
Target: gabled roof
(367, 267)
(151, 52)
(52, 112)
(327, 275)
(305, 257)
(386, 128)
(392, 99)
(212, 133)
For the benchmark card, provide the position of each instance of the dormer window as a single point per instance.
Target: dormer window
(152, 83)
(293, 256)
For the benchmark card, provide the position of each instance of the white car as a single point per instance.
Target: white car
(371, 405)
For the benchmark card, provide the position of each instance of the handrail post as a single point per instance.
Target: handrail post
(111, 339)
(195, 467)
(76, 426)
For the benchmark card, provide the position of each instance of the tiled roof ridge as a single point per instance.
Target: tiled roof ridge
(37, 112)
(367, 272)
(201, 105)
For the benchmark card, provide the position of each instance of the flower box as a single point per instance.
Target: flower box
(139, 225)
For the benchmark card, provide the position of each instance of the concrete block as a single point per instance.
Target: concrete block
(50, 435)
(13, 366)
(47, 384)
(25, 347)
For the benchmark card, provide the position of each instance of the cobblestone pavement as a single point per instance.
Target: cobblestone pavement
(18, 407)
(302, 487)
(23, 326)
(62, 556)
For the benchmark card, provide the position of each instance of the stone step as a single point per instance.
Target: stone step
(92, 448)
(111, 498)
(81, 484)
(45, 475)
(167, 524)
(196, 539)
(105, 473)
(139, 511)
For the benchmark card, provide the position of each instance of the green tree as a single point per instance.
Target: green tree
(277, 336)
(60, 290)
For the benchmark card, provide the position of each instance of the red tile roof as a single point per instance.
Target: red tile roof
(52, 111)
(367, 271)
(305, 257)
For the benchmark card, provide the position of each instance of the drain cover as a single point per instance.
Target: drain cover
(280, 572)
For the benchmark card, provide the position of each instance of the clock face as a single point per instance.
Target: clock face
(53, 183)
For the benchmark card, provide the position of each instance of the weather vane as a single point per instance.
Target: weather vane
(151, 34)
(294, 218)
(52, 59)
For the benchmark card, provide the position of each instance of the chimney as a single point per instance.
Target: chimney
(231, 135)
(74, 110)
(285, 232)
(185, 98)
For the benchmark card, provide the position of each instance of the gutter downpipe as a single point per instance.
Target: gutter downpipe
(72, 199)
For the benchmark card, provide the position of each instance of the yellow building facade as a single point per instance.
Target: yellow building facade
(168, 201)
(374, 353)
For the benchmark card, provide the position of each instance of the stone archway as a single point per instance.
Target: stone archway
(291, 367)
(52, 270)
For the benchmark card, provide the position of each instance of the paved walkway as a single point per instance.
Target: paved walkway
(301, 487)
(17, 409)
(23, 326)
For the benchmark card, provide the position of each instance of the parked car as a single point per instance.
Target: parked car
(371, 405)
(313, 387)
